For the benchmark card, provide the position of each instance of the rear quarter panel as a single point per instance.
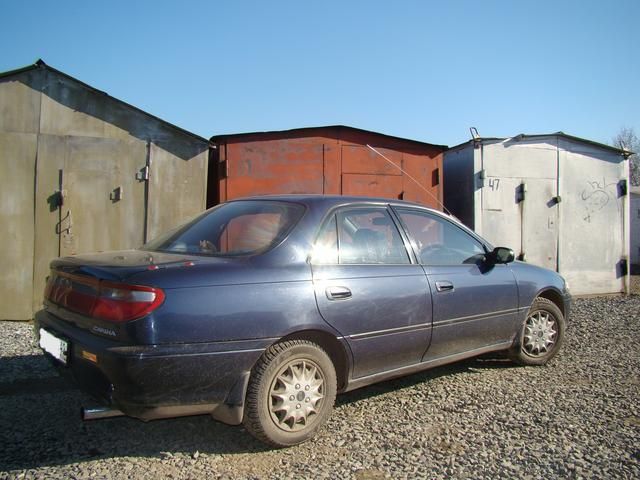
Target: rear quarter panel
(233, 312)
(263, 302)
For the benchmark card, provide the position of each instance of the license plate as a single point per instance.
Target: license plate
(54, 346)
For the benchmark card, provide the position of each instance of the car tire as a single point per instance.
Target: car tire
(541, 335)
(291, 393)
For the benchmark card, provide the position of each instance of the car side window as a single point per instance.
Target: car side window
(360, 236)
(440, 242)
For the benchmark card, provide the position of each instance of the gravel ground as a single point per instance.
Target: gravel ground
(578, 417)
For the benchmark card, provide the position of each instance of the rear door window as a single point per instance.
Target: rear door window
(360, 236)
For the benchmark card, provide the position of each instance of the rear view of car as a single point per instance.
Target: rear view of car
(123, 324)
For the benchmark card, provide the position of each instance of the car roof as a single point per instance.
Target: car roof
(328, 201)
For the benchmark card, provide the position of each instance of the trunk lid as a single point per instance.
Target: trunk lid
(119, 265)
(96, 292)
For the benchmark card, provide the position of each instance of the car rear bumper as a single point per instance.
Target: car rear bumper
(158, 381)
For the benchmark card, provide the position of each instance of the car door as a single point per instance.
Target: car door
(368, 289)
(475, 304)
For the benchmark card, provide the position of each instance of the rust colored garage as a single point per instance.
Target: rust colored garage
(325, 160)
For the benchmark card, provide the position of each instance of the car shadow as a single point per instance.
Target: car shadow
(491, 361)
(40, 423)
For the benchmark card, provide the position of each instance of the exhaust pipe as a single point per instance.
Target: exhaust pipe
(96, 413)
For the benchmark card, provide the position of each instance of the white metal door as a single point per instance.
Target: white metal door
(591, 220)
(540, 222)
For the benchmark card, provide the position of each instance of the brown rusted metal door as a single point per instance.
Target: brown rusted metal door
(326, 162)
(270, 167)
(365, 173)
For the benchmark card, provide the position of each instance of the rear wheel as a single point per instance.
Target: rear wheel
(541, 336)
(291, 393)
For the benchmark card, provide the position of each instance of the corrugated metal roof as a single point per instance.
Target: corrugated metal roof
(41, 64)
(523, 136)
(312, 130)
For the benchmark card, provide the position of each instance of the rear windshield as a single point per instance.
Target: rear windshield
(237, 228)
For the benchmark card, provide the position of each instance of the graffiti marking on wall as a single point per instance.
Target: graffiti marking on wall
(596, 196)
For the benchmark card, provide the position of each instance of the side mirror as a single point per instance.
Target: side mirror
(500, 255)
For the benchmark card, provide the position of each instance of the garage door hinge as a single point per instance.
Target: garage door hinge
(623, 267)
(143, 174)
(622, 187)
(521, 192)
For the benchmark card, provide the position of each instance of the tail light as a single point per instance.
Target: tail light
(102, 299)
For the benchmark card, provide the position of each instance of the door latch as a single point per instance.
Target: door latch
(69, 223)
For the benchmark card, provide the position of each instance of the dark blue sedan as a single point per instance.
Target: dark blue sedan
(260, 310)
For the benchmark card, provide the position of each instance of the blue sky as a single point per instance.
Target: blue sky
(426, 70)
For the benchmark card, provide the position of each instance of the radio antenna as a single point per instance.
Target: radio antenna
(444, 209)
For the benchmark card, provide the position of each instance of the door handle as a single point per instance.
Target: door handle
(338, 293)
(444, 286)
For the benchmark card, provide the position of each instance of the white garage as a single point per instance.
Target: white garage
(558, 201)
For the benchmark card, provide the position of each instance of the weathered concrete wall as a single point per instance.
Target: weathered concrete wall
(57, 134)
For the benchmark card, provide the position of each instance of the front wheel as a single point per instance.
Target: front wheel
(291, 393)
(541, 335)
